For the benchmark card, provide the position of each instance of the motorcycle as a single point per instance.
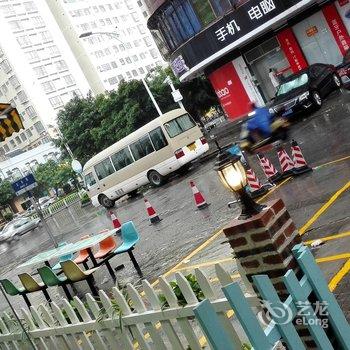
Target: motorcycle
(279, 131)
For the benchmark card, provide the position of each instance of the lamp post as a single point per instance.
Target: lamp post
(116, 36)
(233, 176)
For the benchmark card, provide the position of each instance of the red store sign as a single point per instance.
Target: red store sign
(338, 29)
(230, 91)
(292, 50)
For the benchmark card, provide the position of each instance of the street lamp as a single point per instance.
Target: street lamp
(233, 176)
(116, 36)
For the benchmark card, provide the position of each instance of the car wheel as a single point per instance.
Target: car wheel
(155, 178)
(316, 99)
(336, 80)
(105, 201)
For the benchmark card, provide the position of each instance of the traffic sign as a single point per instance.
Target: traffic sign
(25, 184)
(177, 95)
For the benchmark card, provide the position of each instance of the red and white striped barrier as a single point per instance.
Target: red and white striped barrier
(152, 214)
(270, 171)
(300, 164)
(286, 163)
(256, 188)
(199, 199)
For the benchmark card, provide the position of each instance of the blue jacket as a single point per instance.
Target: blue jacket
(261, 121)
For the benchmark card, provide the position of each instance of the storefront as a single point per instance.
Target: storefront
(246, 49)
(322, 37)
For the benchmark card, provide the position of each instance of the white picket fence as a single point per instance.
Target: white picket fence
(138, 321)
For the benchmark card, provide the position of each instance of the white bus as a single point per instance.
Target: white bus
(166, 144)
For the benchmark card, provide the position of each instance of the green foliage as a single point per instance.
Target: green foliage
(53, 175)
(180, 298)
(90, 124)
(85, 199)
(6, 192)
(246, 346)
(8, 217)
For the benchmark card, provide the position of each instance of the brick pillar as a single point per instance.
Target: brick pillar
(263, 243)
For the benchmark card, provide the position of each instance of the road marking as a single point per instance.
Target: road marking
(274, 189)
(204, 264)
(329, 238)
(333, 284)
(324, 208)
(331, 162)
(333, 258)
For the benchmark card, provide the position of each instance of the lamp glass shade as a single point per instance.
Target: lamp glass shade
(233, 176)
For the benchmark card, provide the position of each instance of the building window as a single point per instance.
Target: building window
(29, 133)
(23, 137)
(39, 127)
(54, 50)
(5, 66)
(56, 101)
(15, 25)
(14, 81)
(31, 113)
(40, 71)
(46, 36)
(38, 21)
(18, 140)
(113, 80)
(61, 65)
(6, 148)
(22, 96)
(48, 86)
(69, 80)
(24, 41)
(30, 6)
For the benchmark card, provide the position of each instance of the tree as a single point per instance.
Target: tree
(90, 124)
(6, 193)
(52, 175)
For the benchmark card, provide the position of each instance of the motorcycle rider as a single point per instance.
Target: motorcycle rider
(259, 124)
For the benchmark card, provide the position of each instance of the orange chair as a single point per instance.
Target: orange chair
(83, 256)
(107, 246)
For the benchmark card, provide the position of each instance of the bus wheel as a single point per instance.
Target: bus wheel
(105, 201)
(155, 178)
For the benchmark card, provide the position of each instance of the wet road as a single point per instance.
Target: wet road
(323, 137)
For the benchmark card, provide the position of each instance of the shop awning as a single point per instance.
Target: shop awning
(10, 121)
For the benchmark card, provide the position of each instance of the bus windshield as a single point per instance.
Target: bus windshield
(179, 125)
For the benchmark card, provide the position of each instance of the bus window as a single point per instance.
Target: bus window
(122, 159)
(142, 147)
(179, 125)
(158, 138)
(90, 180)
(104, 169)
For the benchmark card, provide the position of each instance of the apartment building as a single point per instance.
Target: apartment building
(129, 52)
(38, 72)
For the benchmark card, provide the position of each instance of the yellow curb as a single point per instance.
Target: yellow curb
(333, 284)
(324, 208)
(329, 238)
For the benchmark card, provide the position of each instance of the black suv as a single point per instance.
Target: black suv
(305, 90)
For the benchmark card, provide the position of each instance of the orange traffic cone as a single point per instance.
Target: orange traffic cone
(300, 164)
(270, 171)
(201, 203)
(286, 163)
(256, 188)
(116, 223)
(152, 215)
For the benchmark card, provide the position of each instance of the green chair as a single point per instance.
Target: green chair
(31, 285)
(50, 279)
(75, 274)
(12, 290)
